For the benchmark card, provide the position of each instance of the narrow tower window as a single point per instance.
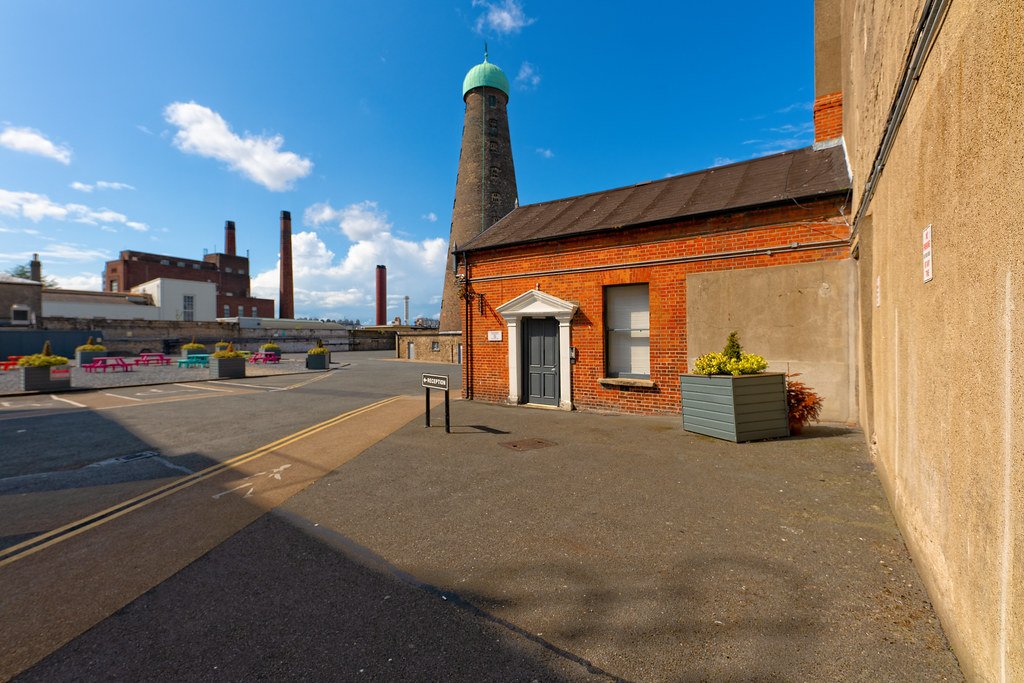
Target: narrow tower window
(492, 101)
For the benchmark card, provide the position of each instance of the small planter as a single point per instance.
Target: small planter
(318, 361)
(185, 353)
(41, 379)
(227, 368)
(735, 408)
(83, 357)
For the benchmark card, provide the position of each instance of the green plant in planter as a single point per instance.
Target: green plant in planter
(319, 349)
(193, 345)
(221, 345)
(803, 403)
(271, 347)
(89, 345)
(44, 359)
(228, 352)
(731, 361)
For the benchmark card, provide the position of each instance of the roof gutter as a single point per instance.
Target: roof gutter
(924, 38)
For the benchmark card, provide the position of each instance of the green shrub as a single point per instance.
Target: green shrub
(221, 345)
(731, 361)
(319, 349)
(193, 345)
(90, 346)
(44, 359)
(229, 352)
(270, 346)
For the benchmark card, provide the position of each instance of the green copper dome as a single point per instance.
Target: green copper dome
(485, 75)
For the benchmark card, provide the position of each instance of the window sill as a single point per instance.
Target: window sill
(625, 382)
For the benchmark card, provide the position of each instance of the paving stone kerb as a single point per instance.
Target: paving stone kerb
(652, 553)
(158, 374)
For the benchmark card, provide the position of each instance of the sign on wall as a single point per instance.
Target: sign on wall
(494, 335)
(926, 253)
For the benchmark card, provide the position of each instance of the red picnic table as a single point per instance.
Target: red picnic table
(264, 357)
(105, 363)
(152, 359)
(10, 363)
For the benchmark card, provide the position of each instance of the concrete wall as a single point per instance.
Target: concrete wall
(801, 318)
(941, 362)
(88, 309)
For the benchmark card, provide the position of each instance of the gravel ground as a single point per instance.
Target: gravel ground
(157, 374)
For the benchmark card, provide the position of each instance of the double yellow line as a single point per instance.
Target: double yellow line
(37, 543)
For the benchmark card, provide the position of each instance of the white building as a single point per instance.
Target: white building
(181, 299)
(160, 299)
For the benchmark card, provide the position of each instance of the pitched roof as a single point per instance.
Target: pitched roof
(9, 279)
(801, 174)
(81, 296)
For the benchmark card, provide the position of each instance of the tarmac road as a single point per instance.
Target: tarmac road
(321, 533)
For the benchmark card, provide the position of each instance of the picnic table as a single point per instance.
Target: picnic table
(265, 357)
(152, 359)
(10, 363)
(196, 360)
(105, 363)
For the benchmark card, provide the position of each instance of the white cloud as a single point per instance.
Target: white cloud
(340, 285)
(204, 132)
(430, 217)
(546, 153)
(502, 16)
(33, 142)
(100, 185)
(723, 161)
(795, 106)
(527, 78)
(85, 281)
(36, 207)
(58, 252)
(143, 129)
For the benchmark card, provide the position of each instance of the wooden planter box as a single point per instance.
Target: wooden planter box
(227, 368)
(40, 379)
(82, 357)
(318, 361)
(741, 408)
(185, 353)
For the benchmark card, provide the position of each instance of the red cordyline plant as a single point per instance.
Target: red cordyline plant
(804, 405)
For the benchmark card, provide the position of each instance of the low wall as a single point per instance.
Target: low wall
(429, 345)
(799, 317)
(129, 337)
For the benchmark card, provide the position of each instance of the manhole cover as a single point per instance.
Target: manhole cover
(527, 444)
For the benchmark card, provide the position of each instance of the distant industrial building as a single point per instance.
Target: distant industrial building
(227, 271)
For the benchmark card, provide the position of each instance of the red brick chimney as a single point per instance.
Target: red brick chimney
(229, 238)
(286, 300)
(36, 268)
(382, 295)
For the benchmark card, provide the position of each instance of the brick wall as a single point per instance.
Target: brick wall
(423, 346)
(828, 116)
(578, 269)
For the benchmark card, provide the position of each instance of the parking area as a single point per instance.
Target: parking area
(551, 546)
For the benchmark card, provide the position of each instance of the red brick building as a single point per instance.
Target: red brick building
(581, 302)
(228, 271)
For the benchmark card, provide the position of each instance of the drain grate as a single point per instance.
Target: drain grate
(527, 444)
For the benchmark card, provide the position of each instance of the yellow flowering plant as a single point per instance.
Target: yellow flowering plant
(731, 361)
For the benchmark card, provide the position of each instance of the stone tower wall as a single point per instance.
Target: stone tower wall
(485, 189)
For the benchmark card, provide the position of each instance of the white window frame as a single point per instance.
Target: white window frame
(624, 327)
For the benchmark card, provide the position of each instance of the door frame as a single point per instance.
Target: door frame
(526, 323)
(534, 303)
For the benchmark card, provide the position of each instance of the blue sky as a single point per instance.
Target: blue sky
(137, 125)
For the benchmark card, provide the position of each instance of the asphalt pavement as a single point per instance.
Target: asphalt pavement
(527, 545)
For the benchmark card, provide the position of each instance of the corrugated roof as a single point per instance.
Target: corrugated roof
(801, 174)
(80, 296)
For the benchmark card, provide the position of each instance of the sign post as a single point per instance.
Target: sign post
(437, 382)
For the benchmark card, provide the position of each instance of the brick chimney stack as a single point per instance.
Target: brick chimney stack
(229, 238)
(382, 295)
(286, 300)
(36, 268)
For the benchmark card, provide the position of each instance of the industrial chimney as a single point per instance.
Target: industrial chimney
(229, 238)
(382, 295)
(286, 299)
(406, 309)
(36, 268)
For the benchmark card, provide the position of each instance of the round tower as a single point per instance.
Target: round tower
(485, 189)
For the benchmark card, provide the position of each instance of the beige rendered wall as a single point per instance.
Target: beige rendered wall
(942, 362)
(801, 318)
